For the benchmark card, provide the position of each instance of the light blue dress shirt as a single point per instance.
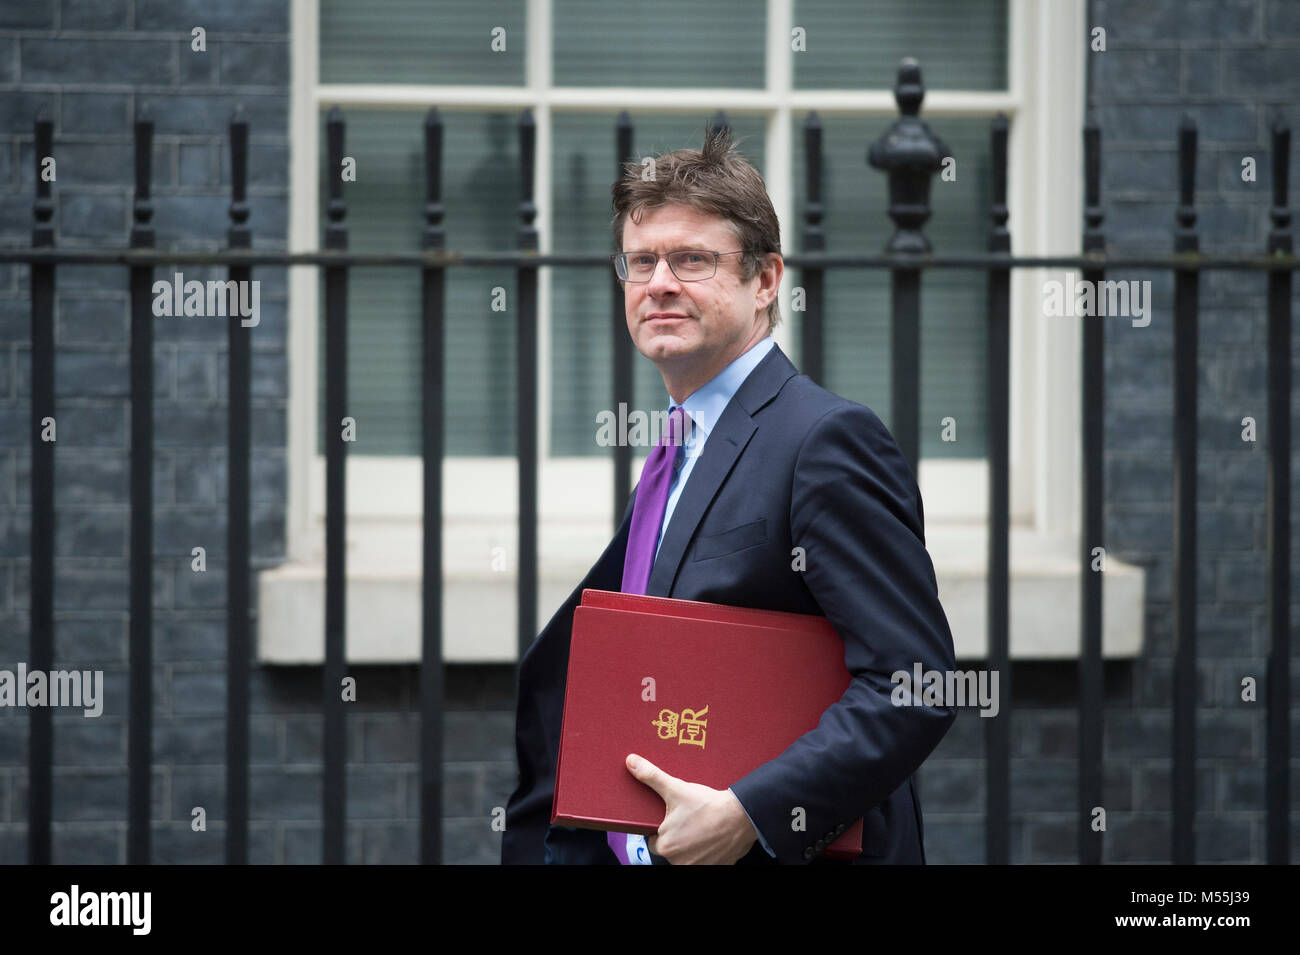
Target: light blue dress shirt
(705, 406)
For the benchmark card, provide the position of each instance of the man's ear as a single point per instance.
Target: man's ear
(769, 279)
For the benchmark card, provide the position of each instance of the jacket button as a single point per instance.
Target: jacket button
(809, 852)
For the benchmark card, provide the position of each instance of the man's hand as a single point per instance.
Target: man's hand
(702, 826)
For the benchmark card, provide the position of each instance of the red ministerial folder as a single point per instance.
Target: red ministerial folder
(734, 687)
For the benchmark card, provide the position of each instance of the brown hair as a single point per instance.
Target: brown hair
(716, 180)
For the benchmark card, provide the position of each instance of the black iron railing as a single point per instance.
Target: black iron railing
(910, 154)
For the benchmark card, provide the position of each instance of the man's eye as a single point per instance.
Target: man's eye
(641, 261)
(694, 259)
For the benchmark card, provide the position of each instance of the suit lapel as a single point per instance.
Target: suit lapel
(730, 435)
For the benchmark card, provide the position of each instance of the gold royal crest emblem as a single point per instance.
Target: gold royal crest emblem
(689, 727)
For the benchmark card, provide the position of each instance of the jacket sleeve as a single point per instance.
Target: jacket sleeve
(529, 838)
(856, 510)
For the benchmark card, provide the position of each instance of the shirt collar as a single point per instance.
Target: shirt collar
(706, 405)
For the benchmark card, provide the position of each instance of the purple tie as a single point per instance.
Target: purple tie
(643, 540)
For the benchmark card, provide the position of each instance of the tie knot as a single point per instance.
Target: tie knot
(679, 426)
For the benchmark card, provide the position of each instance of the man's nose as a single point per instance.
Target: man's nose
(663, 281)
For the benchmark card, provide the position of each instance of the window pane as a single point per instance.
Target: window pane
(857, 302)
(582, 319)
(665, 43)
(422, 41)
(386, 214)
(960, 44)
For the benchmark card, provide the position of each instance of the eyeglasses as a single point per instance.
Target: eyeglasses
(689, 265)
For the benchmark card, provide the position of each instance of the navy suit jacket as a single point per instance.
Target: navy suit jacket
(787, 465)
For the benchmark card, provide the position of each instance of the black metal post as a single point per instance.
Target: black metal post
(40, 748)
(997, 765)
(910, 154)
(334, 744)
(622, 355)
(1186, 288)
(1093, 494)
(812, 347)
(526, 397)
(238, 516)
(433, 391)
(139, 754)
(1278, 679)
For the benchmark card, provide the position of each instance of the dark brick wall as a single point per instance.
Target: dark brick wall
(1232, 65)
(94, 64)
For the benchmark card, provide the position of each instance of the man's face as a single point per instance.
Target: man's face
(690, 328)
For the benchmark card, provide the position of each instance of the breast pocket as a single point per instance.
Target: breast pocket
(728, 542)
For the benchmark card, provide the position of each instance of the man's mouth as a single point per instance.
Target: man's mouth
(664, 316)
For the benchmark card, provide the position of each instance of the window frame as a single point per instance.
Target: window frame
(1044, 100)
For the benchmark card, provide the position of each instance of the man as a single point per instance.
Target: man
(787, 497)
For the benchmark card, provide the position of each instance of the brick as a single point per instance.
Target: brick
(268, 375)
(479, 735)
(1217, 20)
(1242, 581)
(92, 321)
(1136, 72)
(303, 845)
(952, 785)
(98, 533)
(198, 67)
(200, 478)
(88, 844)
(374, 793)
(199, 692)
(953, 842)
(391, 739)
(470, 842)
(9, 60)
(246, 63)
(98, 62)
(206, 114)
(1223, 840)
(92, 216)
(286, 794)
(181, 845)
(98, 15)
(1216, 122)
(188, 638)
(90, 742)
(1132, 837)
(253, 16)
(1200, 72)
(462, 789)
(268, 166)
(196, 165)
(1282, 19)
(199, 788)
(18, 111)
(94, 112)
(34, 15)
(196, 375)
(1043, 785)
(1052, 840)
(1262, 73)
(392, 844)
(1138, 172)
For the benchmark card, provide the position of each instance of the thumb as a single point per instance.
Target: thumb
(650, 774)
